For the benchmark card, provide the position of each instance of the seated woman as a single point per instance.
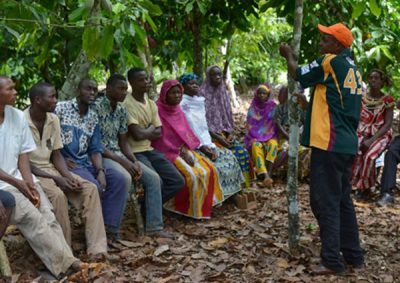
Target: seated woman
(202, 189)
(7, 203)
(262, 134)
(230, 175)
(281, 118)
(374, 131)
(220, 119)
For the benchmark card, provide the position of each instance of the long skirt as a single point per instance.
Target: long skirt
(363, 176)
(229, 172)
(202, 189)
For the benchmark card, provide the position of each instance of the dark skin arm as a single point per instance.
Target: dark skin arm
(129, 163)
(97, 162)
(184, 153)
(67, 182)
(26, 185)
(287, 52)
(222, 140)
(209, 152)
(282, 131)
(127, 151)
(383, 130)
(138, 133)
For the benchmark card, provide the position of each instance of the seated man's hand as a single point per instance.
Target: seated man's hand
(70, 164)
(28, 190)
(67, 184)
(101, 178)
(133, 168)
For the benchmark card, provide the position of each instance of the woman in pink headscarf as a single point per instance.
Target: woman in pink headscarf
(202, 188)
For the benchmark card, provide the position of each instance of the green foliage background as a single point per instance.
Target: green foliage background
(41, 39)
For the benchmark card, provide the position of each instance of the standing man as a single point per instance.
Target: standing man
(119, 156)
(32, 213)
(59, 184)
(330, 130)
(80, 133)
(144, 125)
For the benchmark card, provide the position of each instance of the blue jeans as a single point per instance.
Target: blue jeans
(113, 200)
(152, 193)
(171, 180)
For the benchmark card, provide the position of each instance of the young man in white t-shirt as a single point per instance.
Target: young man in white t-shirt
(33, 212)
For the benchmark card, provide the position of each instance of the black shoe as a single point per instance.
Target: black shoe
(386, 199)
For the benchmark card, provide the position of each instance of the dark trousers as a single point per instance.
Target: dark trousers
(392, 158)
(172, 181)
(333, 208)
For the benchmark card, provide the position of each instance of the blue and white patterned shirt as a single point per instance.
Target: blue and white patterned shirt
(112, 123)
(80, 135)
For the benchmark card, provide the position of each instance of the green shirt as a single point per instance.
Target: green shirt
(334, 109)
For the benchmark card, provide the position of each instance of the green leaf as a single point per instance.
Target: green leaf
(107, 42)
(189, 7)
(375, 9)
(12, 31)
(76, 14)
(358, 8)
(150, 21)
(152, 8)
(90, 42)
(140, 34)
(386, 51)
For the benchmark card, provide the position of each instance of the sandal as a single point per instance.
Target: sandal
(267, 182)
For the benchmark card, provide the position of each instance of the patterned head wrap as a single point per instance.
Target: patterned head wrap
(188, 77)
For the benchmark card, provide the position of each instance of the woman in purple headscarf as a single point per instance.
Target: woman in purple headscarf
(219, 118)
(262, 133)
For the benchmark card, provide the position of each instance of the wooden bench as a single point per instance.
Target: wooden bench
(5, 268)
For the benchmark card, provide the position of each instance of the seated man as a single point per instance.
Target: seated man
(144, 125)
(113, 121)
(83, 150)
(32, 214)
(7, 203)
(59, 184)
(388, 181)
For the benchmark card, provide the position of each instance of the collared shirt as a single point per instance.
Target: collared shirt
(80, 135)
(51, 140)
(15, 139)
(144, 115)
(112, 123)
(334, 109)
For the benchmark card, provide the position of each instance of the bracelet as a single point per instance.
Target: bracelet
(99, 169)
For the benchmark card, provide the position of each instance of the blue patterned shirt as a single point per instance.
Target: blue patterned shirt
(80, 135)
(112, 123)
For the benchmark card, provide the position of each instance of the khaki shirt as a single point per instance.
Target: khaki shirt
(51, 140)
(143, 115)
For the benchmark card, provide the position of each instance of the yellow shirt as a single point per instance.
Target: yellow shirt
(143, 115)
(51, 140)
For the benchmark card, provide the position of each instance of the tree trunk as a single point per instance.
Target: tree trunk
(293, 205)
(198, 67)
(81, 66)
(5, 269)
(227, 73)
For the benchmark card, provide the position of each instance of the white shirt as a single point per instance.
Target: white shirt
(195, 112)
(15, 139)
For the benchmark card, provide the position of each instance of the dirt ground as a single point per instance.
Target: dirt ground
(234, 246)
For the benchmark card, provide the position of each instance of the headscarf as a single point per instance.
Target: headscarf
(188, 77)
(175, 129)
(260, 122)
(218, 105)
